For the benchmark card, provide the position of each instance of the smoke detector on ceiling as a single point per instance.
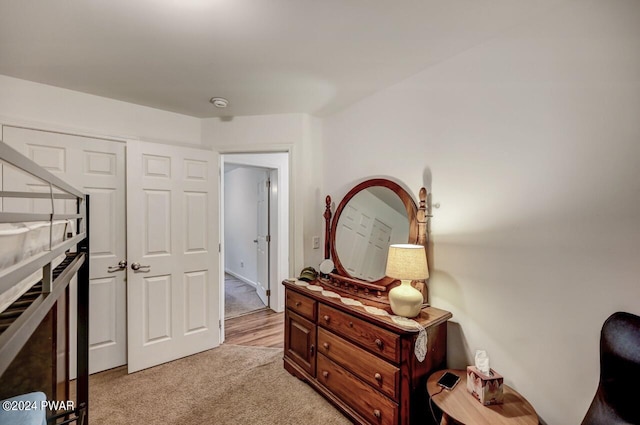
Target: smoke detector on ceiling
(219, 102)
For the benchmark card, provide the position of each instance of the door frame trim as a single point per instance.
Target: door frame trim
(285, 228)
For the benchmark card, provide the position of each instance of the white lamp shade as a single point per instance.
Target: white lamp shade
(407, 262)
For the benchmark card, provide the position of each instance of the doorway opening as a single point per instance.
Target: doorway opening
(254, 231)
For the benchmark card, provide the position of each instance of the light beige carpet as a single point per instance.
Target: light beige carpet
(239, 297)
(228, 385)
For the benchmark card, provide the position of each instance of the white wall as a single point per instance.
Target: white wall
(530, 143)
(41, 106)
(241, 221)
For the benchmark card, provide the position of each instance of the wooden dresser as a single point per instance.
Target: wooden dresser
(362, 363)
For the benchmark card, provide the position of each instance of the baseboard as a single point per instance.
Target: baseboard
(242, 278)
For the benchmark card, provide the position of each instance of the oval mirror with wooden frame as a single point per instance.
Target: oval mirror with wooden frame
(371, 216)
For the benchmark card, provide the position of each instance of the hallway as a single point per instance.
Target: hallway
(239, 298)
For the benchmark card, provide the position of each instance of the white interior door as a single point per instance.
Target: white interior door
(173, 298)
(96, 167)
(262, 287)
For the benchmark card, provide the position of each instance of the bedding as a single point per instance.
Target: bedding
(19, 242)
(25, 409)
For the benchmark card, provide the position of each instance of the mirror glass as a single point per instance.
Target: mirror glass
(372, 220)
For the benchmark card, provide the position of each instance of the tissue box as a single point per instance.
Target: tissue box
(486, 388)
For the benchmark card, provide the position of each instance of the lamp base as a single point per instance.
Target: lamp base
(405, 300)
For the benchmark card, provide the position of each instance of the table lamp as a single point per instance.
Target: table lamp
(406, 262)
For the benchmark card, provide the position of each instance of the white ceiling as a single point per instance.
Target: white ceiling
(265, 56)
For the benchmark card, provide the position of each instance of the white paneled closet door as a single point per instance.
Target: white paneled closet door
(172, 240)
(96, 167)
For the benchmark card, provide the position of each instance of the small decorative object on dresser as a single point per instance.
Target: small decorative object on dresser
(340, 335)
(406, 262)
(326, 267)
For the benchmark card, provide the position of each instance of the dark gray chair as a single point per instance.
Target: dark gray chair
(617, 399)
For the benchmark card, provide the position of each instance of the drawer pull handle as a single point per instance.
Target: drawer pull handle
(350, 324)
(326, 345)
(378, 377)
(327, 318)
(325, 373)
(298, 303)
(377, 413)
(379, 343)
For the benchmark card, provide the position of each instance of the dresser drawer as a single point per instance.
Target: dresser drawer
(375, 339)
(375, 371)
(372, 405)
(302, 305)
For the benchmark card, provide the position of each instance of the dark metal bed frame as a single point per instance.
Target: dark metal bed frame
(26, 314)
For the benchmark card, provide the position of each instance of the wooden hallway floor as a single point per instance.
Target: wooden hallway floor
(264, 328)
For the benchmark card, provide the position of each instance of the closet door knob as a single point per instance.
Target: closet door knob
(137, 267)
(121, 266)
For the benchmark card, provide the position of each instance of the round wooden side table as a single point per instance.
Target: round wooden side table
(460, 407)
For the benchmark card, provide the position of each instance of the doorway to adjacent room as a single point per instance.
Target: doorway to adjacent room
(255, 230)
